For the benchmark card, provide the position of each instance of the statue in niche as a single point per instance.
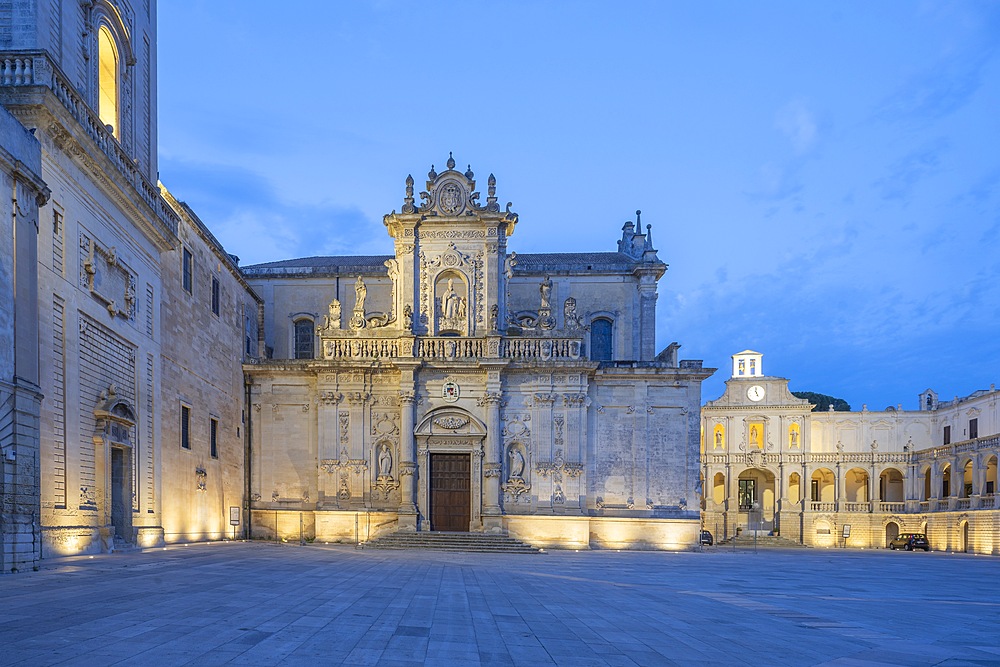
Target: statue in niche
(718, 438)
(332, 320)
(360, 292)
(451, 301)
(754, 436)
(545, 290)
(462, 305)
(794, 438)
(516, 464)
(384, 461)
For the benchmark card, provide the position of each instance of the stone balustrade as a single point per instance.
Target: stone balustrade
(450, 348)
(19, 69)
(823, 507)
(892, 507)
(857, 507)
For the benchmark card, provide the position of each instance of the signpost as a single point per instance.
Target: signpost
(234, 519)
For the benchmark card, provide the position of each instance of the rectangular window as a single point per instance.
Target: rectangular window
(989, 487)
(185, 427)
(214, 442)
(215, 295)
(947, 435)
(973, 429)
(304, 339)
(814, 490)
(187, 270)
(748, 493)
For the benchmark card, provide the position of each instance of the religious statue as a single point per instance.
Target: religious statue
(718, 438)
(407, 318)
(794, 438)
(384, 461)
(754, 436)
(516, 464)
(361, 292)
(545, 289)
(451, 301)
(332, 320)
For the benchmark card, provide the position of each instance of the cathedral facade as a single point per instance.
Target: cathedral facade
(856, 479)
(458, 386)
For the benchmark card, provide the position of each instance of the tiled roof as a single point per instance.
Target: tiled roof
(527, 263)
(321, 265)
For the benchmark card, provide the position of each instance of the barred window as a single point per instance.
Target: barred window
(185, 427)
(214, 441)
(187, 270)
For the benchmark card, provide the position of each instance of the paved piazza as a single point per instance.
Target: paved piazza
(265, 604)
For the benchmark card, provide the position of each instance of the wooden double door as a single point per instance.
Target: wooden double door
(451, 495)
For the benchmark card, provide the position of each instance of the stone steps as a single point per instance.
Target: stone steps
(763, 541)
(443, 541)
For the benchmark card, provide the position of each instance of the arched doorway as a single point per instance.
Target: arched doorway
(891, 532)
(116, 465)
(450, 475)
(963, 537)
(756, 499)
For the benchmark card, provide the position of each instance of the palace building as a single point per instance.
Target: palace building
(772, 465)
(459, 386)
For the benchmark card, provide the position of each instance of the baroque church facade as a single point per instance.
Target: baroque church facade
(153, 391)
(855, 479)
(459, 386)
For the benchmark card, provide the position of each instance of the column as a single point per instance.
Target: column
(492, 522)
(408, 464)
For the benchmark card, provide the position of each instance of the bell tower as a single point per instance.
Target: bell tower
(747, 364)
(450, 255)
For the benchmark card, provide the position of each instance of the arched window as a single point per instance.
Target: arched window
(600, 340)
(108, 77)
(304, 339)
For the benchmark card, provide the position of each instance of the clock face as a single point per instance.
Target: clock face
(755, 393)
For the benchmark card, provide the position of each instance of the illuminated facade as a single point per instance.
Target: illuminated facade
(457, 386)
(121, 338)
(773, 465)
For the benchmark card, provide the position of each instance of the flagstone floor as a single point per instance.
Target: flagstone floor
(266, 604)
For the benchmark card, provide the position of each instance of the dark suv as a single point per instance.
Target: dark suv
(910, 541)
(706, 538)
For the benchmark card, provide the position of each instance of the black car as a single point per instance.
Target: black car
(706, 538)
(910, 541)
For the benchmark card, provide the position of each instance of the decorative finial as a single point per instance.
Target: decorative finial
(432, 174)
(649, 236)
(469, 174)
(408, 202)
(638, 222)
(451, 161)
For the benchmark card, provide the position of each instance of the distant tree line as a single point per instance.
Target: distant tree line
(822, 402)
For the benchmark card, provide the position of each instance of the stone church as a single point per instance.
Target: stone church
(459, 386)
(152, 391)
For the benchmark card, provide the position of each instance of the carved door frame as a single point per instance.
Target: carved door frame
(434, 435)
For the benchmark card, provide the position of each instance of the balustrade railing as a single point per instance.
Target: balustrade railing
(857, 507)
(963, 503)
(823, 507)
(35, 69)
(892, 507)
(348, 346)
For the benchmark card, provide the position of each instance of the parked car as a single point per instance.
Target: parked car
(910, 541)
(706, 538)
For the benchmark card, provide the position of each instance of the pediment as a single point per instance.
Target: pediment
(450, 421)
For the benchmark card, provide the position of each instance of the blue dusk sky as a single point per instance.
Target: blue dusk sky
(823, 178)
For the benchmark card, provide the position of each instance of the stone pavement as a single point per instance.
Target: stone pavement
(266, 604)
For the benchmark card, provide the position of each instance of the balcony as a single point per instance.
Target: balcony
(348, 345)
(28, 71)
